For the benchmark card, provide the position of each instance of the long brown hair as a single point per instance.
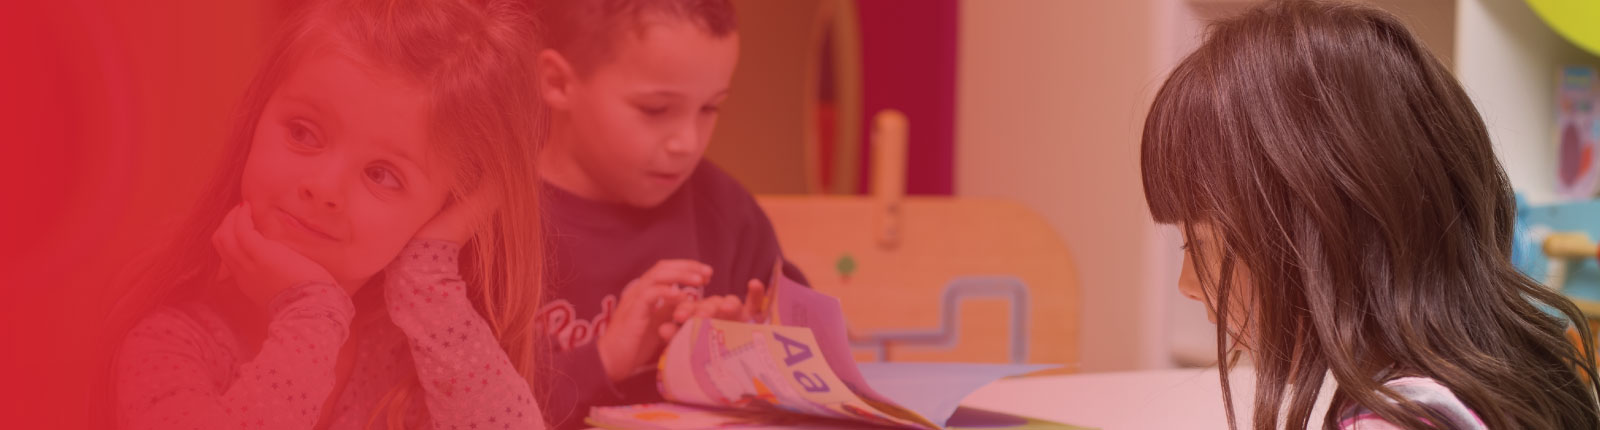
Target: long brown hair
(1352, 184)
(474, 57)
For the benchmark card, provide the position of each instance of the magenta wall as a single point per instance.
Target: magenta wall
(908, 50)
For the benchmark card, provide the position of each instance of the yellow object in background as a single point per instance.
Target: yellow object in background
(1569, 245)
(1576, 20)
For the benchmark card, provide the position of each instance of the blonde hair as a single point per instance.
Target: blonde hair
(475, 60)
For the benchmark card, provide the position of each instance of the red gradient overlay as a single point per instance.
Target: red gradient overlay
(117, 115)
(114, 114)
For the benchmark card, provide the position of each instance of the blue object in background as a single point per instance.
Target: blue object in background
(1535, 222)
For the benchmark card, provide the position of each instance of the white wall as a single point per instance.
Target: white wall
(1051, 96)
(1507, 59)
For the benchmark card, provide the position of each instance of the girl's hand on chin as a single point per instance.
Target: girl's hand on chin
(261, 267)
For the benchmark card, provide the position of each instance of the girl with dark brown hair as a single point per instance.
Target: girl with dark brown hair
(1344, 214)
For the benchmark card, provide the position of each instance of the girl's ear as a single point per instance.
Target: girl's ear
(556, 78)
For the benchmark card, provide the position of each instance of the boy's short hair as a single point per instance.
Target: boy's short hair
(587, 32)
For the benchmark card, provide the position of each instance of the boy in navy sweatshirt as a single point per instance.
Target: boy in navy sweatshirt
(644, 233)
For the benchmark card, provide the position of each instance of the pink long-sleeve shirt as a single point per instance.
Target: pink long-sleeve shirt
(185, 366)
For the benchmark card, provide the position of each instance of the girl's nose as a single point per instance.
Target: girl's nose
(322, 191)
(1191, 293)
(318, 199)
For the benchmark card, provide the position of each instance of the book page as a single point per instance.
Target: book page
(800, 362)
(758, 367)
(922, 392)
(935, 390)
(672, 416)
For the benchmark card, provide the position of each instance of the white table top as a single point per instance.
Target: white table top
(1153, 399)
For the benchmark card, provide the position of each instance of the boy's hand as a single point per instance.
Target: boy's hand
(261, 267)
(721, 307)
(643, 311)
(755, 302)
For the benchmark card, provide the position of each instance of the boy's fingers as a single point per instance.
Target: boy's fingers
(630, 291)
(639, 290)
(684, 310)
(675, 277)
(655, 299)
(708, 307)
(667, 331)
(755, 299)
(730, 306)
(681, 266)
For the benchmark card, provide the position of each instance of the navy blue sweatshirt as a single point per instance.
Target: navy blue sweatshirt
(596, 248)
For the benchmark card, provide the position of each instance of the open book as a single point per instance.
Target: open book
(796, 371)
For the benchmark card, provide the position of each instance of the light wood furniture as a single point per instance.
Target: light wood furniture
(889, 259)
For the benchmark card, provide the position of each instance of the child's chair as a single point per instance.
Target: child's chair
(934, 278)
(1554, 245)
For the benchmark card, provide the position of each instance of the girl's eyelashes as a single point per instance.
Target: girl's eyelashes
(303, 133)
(710, 109)
(384, 176)
(652, 110)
